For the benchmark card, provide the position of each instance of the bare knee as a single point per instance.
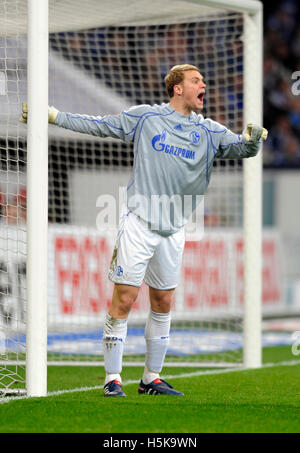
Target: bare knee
(161, 300)
(122, 300)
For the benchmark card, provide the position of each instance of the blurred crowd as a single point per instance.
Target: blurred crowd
(281, 106)
(133, 61)
(13, 207)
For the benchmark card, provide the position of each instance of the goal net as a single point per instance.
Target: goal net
(103, 58)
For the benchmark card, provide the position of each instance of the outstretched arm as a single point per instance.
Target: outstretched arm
(234, 146)
(120, 126)
(52, 113)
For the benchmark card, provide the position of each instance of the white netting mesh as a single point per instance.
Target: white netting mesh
(12, 207)
(102, 70)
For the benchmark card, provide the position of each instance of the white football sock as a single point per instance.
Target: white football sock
(157, 340)
(112, 377)
(114, 335)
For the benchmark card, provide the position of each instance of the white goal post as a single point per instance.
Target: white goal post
(74, 55)
(37, 199)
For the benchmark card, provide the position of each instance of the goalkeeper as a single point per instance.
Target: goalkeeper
(174, 151)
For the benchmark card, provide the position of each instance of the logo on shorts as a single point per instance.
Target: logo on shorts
(119, 271)
(194, 137)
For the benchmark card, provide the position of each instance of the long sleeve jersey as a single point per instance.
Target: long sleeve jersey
(173, 158)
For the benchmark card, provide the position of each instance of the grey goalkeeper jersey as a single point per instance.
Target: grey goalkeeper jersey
(173, 158)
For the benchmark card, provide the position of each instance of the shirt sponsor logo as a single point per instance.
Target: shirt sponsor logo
(158, 144)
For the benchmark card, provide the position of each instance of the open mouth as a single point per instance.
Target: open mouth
(200, 97)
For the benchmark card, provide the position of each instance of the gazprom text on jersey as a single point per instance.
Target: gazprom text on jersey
(172, 149)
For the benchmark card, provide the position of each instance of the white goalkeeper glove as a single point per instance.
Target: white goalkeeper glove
(253, 133)
(52, 113)
(23, 118)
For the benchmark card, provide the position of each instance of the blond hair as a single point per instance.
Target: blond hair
(176, 76)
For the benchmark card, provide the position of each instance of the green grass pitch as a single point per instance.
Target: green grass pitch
(265, 400)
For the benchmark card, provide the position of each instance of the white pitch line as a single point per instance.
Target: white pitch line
(170, 376)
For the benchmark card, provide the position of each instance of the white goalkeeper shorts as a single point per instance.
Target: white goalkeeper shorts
(142, 254)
